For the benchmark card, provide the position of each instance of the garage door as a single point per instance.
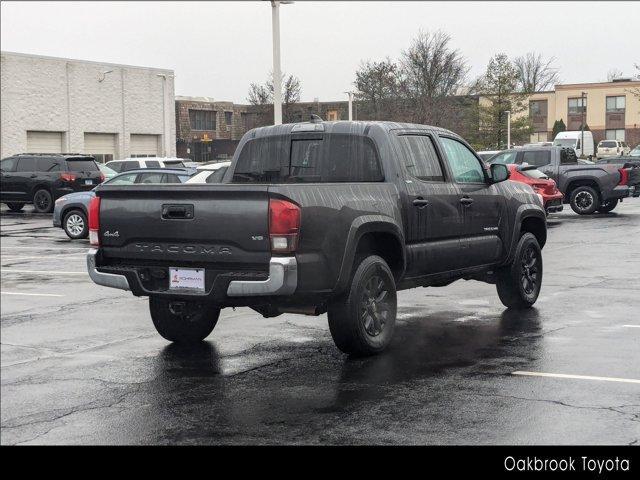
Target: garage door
(144, 145)
(101, 145)
(44, 142)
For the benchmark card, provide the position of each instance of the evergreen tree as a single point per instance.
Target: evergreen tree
(558, 126)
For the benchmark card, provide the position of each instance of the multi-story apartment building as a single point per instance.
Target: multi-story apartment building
(610, 109)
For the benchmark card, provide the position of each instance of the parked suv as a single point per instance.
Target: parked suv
(127, 164)
(42, 178)
(321, 217)
(612, 148)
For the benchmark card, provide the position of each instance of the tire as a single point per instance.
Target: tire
(75, 224)
(42, 201)
(608, 205)
(183, 322)
(362, 321)
(584, 200)
(15, 207)
(518, 287)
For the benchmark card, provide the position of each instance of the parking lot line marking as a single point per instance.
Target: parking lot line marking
(41, 272)
(578, 377)
(631, 326)
(32, 294)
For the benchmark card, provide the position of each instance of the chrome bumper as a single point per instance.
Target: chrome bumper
(106, 279)
(283, 280)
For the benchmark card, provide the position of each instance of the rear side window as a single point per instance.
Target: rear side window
(327, 158)
(115, 166)
(420, 158)
(133, 165)
(505, 158)
(80, 165)
(537, 158)
(47, 165)
(150, 178)
(26, 164)
(9, 164)
(152, 163)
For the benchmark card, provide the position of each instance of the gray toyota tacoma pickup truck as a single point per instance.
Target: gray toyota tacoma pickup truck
(319, 217)
(587, 187)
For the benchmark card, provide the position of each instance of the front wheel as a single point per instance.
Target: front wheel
(519, 284)
(608, 205)
(75, 225)
(584, 200)
(183, 321)
(15, 207)
(362, 323)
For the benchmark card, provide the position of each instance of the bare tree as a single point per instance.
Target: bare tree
(377, 90)
(259, 95)
(263, 95)
(431, 71)
(614, 74)
(535, 74)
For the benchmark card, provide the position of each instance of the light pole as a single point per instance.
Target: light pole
(277, 75)
(583, 110)
(350, 105)
(508, 112)
(165, 137)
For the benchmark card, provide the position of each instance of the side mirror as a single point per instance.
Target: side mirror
(499, 173)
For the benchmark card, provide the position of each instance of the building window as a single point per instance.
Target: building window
(615, 134)
(534, 108)
(228, 118)
(102, 157)
(616, 104)
(576, 107)
(202, 119)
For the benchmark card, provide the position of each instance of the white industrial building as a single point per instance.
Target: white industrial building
(55, 105)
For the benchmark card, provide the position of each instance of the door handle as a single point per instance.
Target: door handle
(420, 202)
(466, 201)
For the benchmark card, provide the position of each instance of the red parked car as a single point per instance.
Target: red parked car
(541, 184)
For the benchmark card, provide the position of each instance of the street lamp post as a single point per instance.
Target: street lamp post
(582, 109)
(277, 73)
(508, 112)
(350, 105)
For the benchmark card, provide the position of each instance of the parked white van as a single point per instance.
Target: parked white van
(572, 139)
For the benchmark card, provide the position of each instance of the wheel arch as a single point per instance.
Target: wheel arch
(377, 235)
(582, 182)
(529, 218)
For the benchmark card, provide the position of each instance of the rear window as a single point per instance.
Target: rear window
(173, 163)
(534, 173)
(322, 159)
(537, 158)
(608, 144)
(82, 165)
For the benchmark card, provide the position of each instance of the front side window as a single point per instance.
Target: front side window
(465, 166)
(420, 157)
(505, 158)
(537, 158)
(26, 164)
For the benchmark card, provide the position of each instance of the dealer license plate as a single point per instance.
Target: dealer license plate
(186, 279)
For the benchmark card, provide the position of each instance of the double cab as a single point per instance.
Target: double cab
(319, 217)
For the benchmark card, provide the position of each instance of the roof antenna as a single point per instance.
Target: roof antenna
(315, 118)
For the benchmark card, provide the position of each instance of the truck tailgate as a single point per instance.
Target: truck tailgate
(185, 225)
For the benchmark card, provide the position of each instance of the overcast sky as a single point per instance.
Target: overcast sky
(217, 48)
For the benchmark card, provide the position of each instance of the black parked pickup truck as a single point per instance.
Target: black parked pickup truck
(588, 187)
(321, 217)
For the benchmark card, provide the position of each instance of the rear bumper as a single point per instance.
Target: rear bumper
(282, 279)
(620, 191)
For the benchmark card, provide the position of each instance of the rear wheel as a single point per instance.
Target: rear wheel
(607, 206)
(584, 200)
(75, 225)
(362, 323)
(519, 284)
(15, 207)
(42, 201)
(183, 321)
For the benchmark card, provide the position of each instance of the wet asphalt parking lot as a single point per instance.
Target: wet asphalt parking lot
(82, 364)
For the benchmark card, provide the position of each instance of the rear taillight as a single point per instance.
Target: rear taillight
(624, 176)
(94, 221)
(68, 176)
(284, 226)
